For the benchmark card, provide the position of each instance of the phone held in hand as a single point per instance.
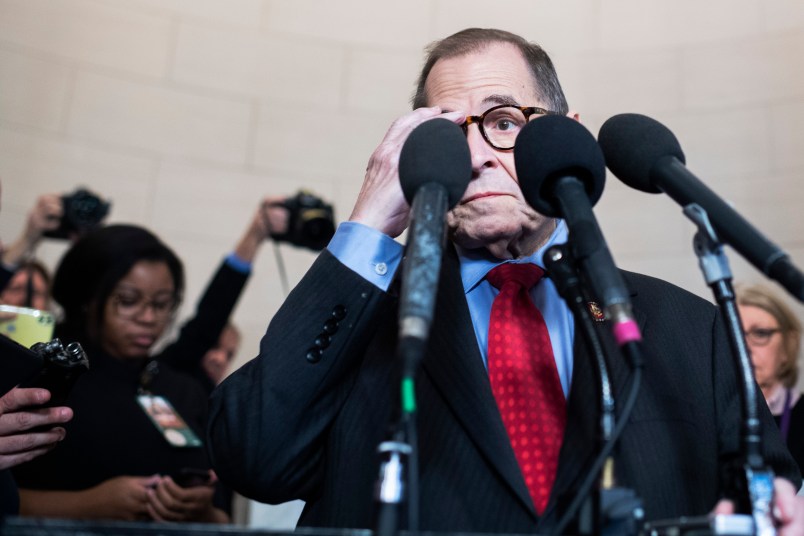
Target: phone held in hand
(188, 477)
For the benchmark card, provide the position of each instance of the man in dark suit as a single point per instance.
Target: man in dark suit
(303, 420)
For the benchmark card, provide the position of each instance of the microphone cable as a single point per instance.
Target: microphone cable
(634, 355)
(562, 270)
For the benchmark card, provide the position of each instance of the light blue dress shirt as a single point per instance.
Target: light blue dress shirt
(376, 257)
(237, 264)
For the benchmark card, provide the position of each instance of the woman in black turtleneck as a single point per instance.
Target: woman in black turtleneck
(119, 287)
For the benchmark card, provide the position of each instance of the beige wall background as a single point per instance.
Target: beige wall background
(186, 112)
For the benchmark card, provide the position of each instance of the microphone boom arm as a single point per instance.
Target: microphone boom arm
(735, 230)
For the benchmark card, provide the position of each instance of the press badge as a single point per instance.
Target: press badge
(168, 421)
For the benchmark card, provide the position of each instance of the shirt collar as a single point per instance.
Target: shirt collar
(476, 263)
(776, 400)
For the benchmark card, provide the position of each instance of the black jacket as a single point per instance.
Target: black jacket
(303, 419)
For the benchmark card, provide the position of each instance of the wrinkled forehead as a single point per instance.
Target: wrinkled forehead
(494, 74)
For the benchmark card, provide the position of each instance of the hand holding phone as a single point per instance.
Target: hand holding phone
(189, 477)
(27, 431)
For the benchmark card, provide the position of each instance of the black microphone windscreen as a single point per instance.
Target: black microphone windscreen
(552, 147)
(436, 151)
(632, 144)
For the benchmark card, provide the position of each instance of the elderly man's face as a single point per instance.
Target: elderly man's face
(493, 212)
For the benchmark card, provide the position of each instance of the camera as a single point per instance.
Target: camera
(311, 221)
(83, 211)
(61, 367)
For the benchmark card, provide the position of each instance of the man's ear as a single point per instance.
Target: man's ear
(572, 114)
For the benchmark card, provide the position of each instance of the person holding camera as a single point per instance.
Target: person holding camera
(44, 216)
(27, 282)
(303, 220)
(119, 287)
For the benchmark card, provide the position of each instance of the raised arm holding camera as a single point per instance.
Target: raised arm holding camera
(27, 281)
(44, 216)
(303, 220)
(23, 280)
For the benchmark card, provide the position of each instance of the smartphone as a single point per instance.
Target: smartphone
(18, 364)
(28, 326)
(188, 477)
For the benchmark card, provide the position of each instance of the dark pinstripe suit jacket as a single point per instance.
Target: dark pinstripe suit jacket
(285, 427)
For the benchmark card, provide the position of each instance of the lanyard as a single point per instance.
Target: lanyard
(784, 426)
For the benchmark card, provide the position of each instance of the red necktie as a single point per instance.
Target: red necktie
(524, 378)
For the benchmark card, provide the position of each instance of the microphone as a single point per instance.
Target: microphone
(435, 168)
(562, 173)
(645, 155)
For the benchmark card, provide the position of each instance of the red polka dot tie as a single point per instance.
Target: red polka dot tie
(524, 378)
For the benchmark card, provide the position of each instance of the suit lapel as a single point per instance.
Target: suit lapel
(582, 435)
(456, 368)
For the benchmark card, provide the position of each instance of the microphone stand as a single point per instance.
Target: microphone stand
(605, 510)
(751, 478)
(758, 478)
(398, 478)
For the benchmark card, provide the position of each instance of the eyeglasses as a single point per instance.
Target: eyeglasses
(131, 305)
(760, 336)
(501, 124)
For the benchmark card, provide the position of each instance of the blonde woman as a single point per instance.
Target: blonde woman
(773, 335)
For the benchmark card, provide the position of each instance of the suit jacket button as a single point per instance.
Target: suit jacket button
(313, 355)
(323, 341)
(339, 312)
(330, 326)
